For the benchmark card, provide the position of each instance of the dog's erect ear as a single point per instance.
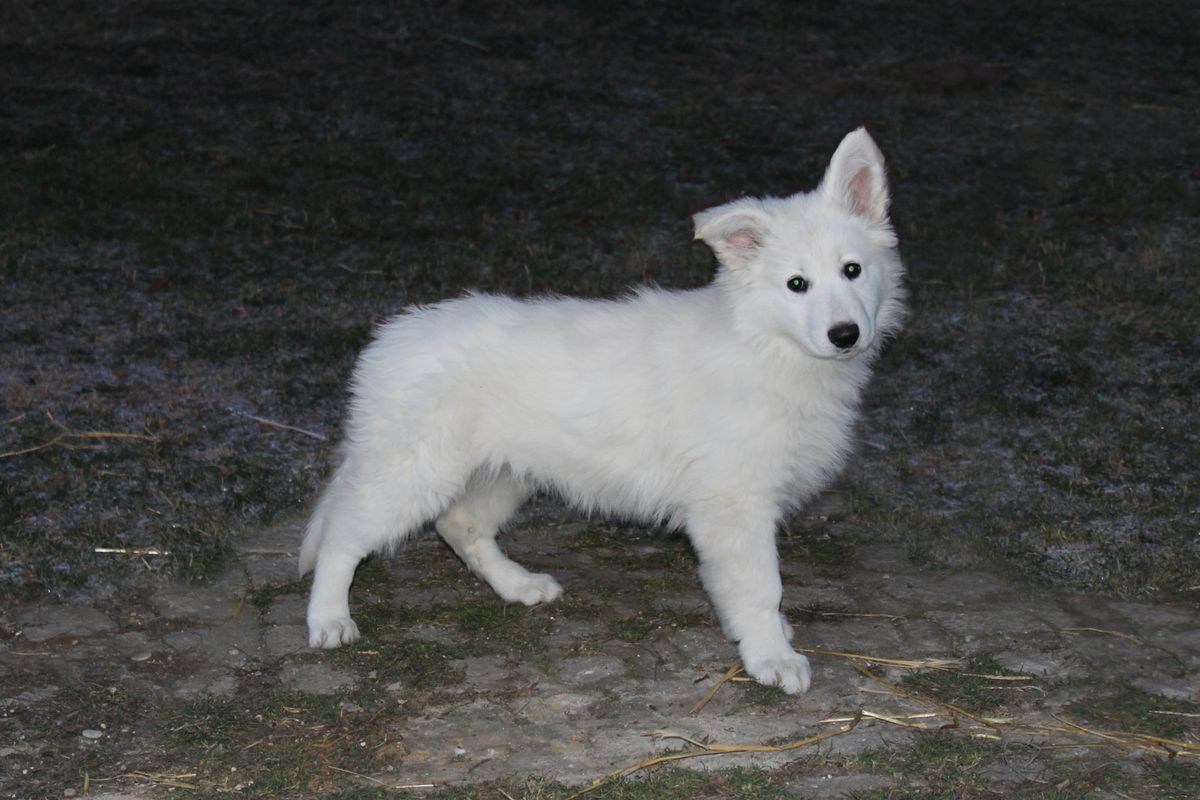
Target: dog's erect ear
(856, 179)
(735, 231)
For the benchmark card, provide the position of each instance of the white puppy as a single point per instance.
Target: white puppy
(713, 409)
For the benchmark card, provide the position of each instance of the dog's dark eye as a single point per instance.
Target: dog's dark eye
(852, 269)
(797, 284)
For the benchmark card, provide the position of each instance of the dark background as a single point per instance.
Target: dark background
(205, 208)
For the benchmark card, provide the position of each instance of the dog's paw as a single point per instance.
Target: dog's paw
(531, 589)
(790, 673)
(330, 633)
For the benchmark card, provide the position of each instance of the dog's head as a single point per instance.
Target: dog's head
(820, 268)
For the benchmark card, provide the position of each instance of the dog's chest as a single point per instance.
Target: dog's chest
(812, 437)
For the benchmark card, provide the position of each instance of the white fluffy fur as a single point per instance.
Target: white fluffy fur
(713, 409)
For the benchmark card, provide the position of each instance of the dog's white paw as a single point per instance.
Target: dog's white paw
(330, 633)
(790, 673)
(531, 589)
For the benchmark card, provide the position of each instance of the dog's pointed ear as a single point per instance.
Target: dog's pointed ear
(735, 231)
(856, 179)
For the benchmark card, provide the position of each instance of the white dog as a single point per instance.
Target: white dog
(713, 409)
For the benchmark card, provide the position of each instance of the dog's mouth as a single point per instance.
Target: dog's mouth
(850, 353)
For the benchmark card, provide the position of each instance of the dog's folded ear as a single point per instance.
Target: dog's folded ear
(735, 231)
(856, 179)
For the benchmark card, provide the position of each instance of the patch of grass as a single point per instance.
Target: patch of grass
(636, 628)
(1133, 710)
(964, 688)
(832, 557)
(491, 624)
(1174, 780)
(674, 581)
(264, 595)
(420, 664)
(269, 743)
(684, 784)
(660, 784)
(639, 627)
(487, 625)
(945, 756)
(946, 764)
(756, 694)
(208, 724)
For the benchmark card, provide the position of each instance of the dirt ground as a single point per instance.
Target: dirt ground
(967, 684)
(205, 208)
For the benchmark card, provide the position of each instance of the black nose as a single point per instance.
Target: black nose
(844, 335)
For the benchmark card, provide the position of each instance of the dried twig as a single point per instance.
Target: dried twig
(178, 781)
(734, 674)
(728, 676)
(282, 425)
(708, 749)
(856, 615)
(382, 783)
(1000, 726)
(65, 440)
(474, 45)
(237, 612)
(997, 728)
(922, 663)
(1117, 634)
(929, 701)
(1143, 741)
(900, 720)
(131, 551)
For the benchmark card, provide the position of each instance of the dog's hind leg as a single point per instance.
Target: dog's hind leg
(470, 527)
(363, 510)
(329, 622)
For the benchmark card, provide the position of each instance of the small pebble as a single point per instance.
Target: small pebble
(142, 656)
(92, 733)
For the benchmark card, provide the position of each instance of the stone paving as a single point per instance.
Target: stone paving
(570, 701)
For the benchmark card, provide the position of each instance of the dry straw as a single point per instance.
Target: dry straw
(71, 441)
(700, 749)
(938, 716)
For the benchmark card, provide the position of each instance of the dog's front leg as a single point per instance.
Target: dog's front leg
(739, 566)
